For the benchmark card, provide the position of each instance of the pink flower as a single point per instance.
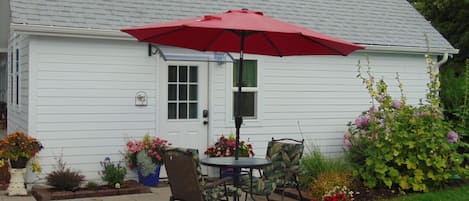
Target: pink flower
(362, 121)
(347, 134)
(347, 143)
(453, 137)
(396, 104)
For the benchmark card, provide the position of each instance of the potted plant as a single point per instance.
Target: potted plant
(18, 148)
(225, 147)
(146, 156)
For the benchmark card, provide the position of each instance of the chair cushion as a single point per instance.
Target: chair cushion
(260, 186)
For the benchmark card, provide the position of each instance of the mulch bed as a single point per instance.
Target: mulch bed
(43, 193)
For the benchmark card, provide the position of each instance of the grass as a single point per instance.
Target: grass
(453, 194)
(314, 163)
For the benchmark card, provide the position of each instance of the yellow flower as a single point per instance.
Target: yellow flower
(2, 162)
(36, 167)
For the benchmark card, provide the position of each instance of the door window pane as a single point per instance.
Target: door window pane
(192, 92)
(172, 111)
(193, 74)
(172, 74)
(172, 91)
(182, 92)
(193, 111)
(182, 110)
(182, 73)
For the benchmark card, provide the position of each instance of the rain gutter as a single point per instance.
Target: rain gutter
(118, 35)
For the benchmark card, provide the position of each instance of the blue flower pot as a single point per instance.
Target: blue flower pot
(153, 179)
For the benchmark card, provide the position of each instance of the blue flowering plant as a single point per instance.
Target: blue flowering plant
(401, 146)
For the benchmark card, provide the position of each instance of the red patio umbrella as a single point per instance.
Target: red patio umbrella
(243, 31)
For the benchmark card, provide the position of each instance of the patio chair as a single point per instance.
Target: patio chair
(285, 155)
(186, 181)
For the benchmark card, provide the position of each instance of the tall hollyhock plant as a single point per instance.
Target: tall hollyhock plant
(402, 146)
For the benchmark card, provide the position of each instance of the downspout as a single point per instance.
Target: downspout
(443, 60)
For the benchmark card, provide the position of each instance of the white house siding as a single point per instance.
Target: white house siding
(18, 114)
(320, 94)
(84, 99)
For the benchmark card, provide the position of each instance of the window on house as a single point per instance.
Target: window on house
(249, 89)
(183, 95)
(17, 76)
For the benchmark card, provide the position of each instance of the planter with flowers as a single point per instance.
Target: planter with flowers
(147, 157)
(225, 147)
(19, 148)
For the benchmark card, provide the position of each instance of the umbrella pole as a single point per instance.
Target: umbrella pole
(238, 116)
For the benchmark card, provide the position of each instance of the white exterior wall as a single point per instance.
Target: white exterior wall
(18, 114)
(322, 93)
(84, 99)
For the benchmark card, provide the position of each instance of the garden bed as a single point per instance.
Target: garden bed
(43, 193)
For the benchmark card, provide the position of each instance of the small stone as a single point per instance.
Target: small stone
(117, 185)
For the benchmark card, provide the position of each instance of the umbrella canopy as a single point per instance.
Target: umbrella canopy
(242, 31)
(223, 33)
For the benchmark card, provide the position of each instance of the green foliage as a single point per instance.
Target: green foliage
(92, 186)
(112, 173)
(64, 178)
(327, 181)
(315, 163)
(402, 146)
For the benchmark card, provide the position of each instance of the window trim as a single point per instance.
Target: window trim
(229, 93)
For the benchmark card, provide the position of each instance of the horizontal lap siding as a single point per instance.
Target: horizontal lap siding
(317, 95)
(85, 99)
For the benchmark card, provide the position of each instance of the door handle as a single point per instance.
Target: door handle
(205, 113)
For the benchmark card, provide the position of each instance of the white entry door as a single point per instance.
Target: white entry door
(183, 100)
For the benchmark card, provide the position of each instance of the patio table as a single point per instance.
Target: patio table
(242, 162)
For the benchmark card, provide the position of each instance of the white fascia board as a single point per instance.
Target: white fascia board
(70, 32)
(408, 50)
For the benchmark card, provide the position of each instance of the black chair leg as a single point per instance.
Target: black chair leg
(298, 189)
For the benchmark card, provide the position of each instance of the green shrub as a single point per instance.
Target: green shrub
(402, 146)
(92, 186)
(112, 173)
(314, 163)
(327, 181)
(64, 178)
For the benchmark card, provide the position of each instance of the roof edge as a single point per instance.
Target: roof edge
(118, 35)
(70, 32)
(407, 50)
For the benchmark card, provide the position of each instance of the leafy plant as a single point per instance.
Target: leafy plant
(92, 186)
(20, 145)
(397, 145)
(314, 163)
(327, 181)
(63, 178)
(112, 173)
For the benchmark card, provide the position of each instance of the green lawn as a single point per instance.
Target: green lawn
(452, 194)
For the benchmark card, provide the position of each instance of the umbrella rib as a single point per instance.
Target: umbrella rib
(153, 37)
(213, 41)
(325, 46)
(272, 44)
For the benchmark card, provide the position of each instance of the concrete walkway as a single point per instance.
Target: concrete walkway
(158, 194)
